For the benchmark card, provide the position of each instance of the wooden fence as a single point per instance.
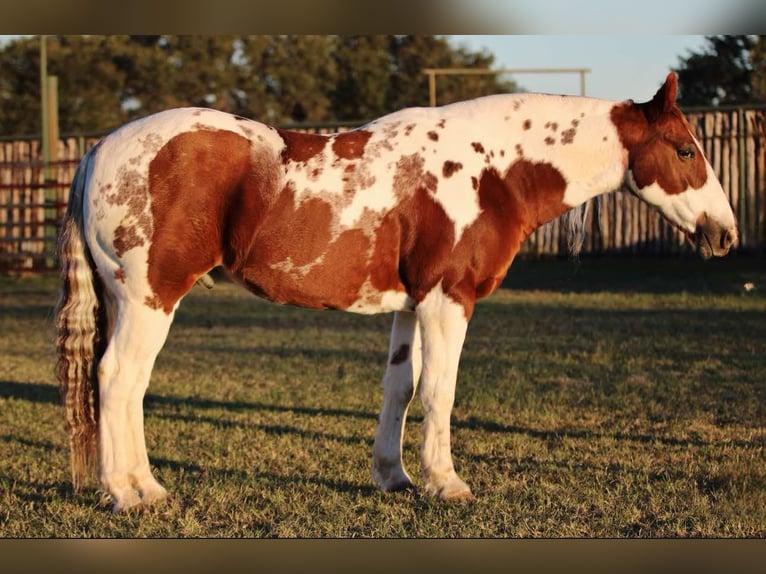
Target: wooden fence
(33, 196)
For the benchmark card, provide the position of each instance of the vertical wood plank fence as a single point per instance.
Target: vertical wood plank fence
(33, 196)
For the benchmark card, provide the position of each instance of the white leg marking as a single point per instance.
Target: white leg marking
(137, 337)
(399, 384)
(443, 325)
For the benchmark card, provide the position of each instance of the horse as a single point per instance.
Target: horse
(419, 213)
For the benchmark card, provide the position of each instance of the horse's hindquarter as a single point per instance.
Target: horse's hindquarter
(165, 194)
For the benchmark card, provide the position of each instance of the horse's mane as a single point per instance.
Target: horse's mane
(573, 222)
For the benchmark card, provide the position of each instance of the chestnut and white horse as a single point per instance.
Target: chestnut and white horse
(420, 213)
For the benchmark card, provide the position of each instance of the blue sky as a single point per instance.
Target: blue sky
(621, 67)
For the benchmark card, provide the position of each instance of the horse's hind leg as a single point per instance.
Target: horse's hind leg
(399, 383)
(137, 335)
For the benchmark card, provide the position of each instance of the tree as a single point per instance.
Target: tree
(723, 73)
(412, 54)
(364, 68)
(105, 81)
(758, 62)
(20, 88)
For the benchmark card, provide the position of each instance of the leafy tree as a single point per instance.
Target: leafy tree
(299, 73)
(758, 62)
(722, 73)
(105, 81)
(364, 68)
(414, 53)
(20, 88)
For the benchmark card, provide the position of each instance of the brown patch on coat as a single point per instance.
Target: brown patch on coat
(549, 140)
(408, 175)
(432, 135)
(126, 238)
(351, 144)
(301, 234)
(430, 182)
(527, 124)
(567, 136)
(512, 206)
(451, 167)
(209, 192)
(239, 214)
(301, 147)
(415, 243)
(401, 354)
(356, 177)
(477, 147)
(652, 133)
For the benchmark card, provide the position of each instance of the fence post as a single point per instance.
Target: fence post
(50, 193)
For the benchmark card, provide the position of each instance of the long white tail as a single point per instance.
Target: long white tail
(80, 325)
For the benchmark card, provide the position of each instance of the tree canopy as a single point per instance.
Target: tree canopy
(105, 81)
(728, 70)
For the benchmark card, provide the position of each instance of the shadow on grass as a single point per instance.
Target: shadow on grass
(155, 401)
(276, 480)
(285, 352)
(558, 434)
(39, 492)
(153, 404)
(27, 311)
(276, 430)
(32, 392)
(638, 274)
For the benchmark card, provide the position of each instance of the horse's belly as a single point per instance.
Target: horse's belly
(347, 289)
(342, 276)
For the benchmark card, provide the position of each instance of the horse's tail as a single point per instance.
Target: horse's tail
(80, 321)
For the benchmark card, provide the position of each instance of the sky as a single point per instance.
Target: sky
(621, 67)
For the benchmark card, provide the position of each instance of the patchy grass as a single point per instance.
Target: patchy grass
(609, 398)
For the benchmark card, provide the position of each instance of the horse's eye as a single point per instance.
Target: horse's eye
(686, 153)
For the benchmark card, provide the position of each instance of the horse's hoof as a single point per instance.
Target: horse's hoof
(459, 497)
(454, 490)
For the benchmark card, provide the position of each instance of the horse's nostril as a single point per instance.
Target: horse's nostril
(729, 239)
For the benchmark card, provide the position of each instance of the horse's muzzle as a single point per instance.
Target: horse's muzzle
(711, 238)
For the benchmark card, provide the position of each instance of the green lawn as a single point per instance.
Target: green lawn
(609, 398)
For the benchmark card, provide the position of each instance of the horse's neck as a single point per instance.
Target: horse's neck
(575, 135)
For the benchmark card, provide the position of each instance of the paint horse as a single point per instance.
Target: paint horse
(420, 213)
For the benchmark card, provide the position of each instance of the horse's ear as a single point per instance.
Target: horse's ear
(665, 98)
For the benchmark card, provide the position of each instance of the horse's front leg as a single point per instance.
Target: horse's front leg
(443, 325)
(399, 384)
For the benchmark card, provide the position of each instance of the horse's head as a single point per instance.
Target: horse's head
(667, 169)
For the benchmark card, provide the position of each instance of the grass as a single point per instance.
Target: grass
(605, 398)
